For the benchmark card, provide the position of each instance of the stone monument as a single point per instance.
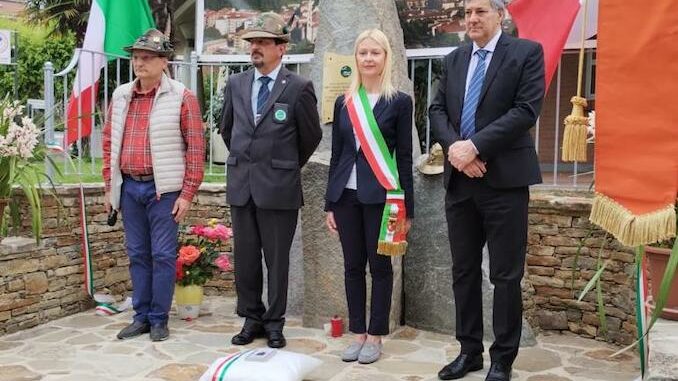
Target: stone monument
(324, 294)
(429, 299)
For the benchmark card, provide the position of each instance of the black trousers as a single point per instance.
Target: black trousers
(358, 225)
(498, 217)
(254, 230)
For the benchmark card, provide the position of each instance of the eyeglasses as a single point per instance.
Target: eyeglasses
(145, 58)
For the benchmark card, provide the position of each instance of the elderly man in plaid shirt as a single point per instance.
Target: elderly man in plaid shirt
(153, 165)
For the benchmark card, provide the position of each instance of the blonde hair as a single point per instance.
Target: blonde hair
(387, 90)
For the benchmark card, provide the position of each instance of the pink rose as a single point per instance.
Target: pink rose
(222, 232)
(223, 263)
(210, 234)
(198, 230)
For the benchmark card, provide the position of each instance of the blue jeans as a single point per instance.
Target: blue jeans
(151, 242)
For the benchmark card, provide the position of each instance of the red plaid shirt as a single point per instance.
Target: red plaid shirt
(135, 153)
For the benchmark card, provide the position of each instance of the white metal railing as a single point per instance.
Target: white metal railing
(207, 78)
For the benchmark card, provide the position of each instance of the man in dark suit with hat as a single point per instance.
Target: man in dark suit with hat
(271, 127)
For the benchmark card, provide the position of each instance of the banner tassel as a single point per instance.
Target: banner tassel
(629, 229)
(574, 137)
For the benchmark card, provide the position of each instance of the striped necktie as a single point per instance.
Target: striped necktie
(468, 112)
(263, 94)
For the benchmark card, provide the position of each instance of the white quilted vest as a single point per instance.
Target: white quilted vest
(167, 144)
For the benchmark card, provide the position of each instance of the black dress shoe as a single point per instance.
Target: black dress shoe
(276, 339)
(463, 364)
(159, 332)
(498, 372)
(135, 329)
(246, 336)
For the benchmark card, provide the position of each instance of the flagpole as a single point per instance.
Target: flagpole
(576, 124)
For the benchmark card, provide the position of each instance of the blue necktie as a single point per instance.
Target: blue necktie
(468, 112)
(263, 94)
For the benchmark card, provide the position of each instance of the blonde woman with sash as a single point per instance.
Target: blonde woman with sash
(369, 199)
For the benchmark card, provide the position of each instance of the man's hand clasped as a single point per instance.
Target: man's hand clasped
(462, 155)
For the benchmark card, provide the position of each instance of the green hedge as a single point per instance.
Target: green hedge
(34, 50)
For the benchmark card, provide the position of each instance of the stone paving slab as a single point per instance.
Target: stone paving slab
(83, 347)
(663, 351)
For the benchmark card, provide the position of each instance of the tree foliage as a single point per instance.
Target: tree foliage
(34, 50)
(64, 17)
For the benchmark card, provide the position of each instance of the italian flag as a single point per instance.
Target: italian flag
(112, 25)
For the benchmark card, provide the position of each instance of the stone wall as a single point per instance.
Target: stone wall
(558, 223)
(42, 283)
(38, 284)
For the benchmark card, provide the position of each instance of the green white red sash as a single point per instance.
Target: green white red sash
(105, 304)
(642, 311)
(392, 236)
(225, 364)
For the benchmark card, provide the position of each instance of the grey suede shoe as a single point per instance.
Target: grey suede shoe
(352, 352)
(369, 353)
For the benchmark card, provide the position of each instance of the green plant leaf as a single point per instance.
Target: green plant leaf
(592, 281)
(575, 263)
(601, 307)
(664, 289)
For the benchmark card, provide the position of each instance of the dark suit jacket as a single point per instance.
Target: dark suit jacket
(509, 105)
(265, 158)
(394, 118)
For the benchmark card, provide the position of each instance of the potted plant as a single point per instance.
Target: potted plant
(198, 258)
(21, 166)
(658, 256)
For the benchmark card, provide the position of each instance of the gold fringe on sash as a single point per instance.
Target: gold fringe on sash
(392, 248)
(574, 138)
(629, 229)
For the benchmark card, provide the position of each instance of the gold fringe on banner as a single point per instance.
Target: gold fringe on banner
(574, 138)
(392, 248)
(629, 229)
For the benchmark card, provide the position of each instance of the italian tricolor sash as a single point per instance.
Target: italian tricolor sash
(392, 235)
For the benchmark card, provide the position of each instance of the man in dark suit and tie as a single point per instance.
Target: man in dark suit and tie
(271, 127)
(489, 97)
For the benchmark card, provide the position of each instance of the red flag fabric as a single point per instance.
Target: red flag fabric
(547, 22)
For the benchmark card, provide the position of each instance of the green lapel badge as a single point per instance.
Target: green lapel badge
(280, 115)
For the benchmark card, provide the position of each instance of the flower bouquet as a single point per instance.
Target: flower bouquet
(21, 158)
(200, 256)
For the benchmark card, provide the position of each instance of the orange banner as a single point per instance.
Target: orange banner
(636, 148)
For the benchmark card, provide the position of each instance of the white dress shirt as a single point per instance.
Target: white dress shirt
(256, 85)
(490, 47)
